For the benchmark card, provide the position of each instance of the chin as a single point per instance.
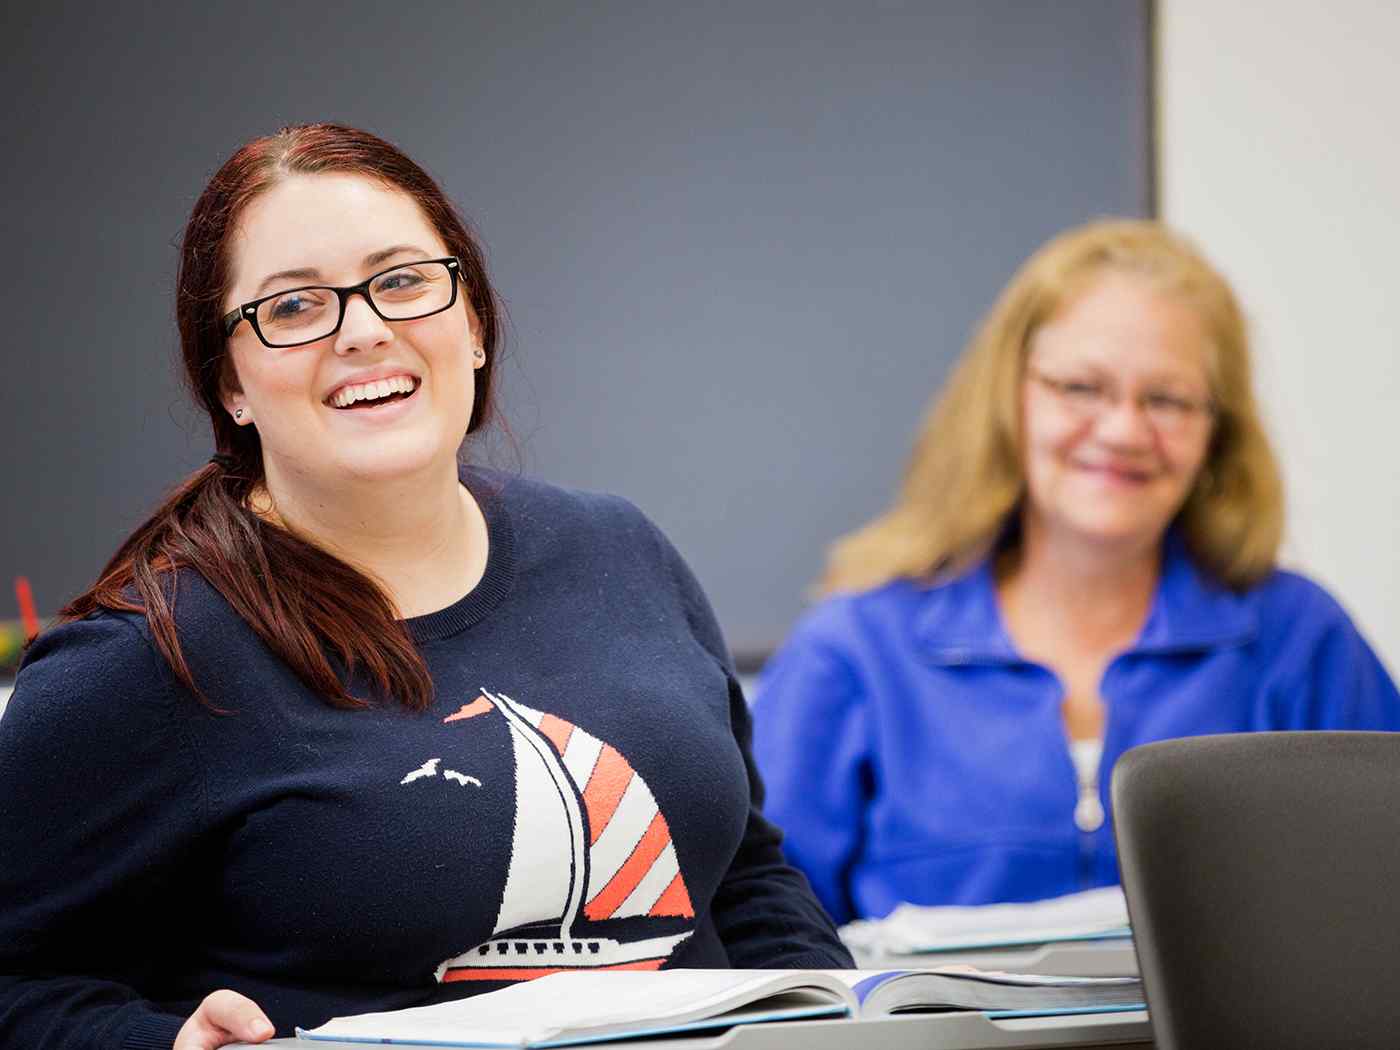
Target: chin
(389, 460)
(1121, 533)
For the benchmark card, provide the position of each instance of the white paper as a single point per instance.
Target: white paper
(913, 928)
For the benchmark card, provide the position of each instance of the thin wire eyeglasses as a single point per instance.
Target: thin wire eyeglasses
(1167, 410)
(297, 316)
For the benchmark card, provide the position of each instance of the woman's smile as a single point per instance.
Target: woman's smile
(380, 409)
(1117, 474)
(367, 392)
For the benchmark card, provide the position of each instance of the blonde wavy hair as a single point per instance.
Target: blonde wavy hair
(964, 481)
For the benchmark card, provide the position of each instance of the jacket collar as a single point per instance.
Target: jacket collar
(1191, 611)
(959, 621)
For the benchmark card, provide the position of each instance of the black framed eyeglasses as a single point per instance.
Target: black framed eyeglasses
(297, 316)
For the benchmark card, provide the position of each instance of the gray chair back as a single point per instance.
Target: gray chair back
(1262, 872)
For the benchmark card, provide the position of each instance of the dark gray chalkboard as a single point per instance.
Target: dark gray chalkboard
(740, 243)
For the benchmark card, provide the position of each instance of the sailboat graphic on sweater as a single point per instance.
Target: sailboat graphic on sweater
(593, 882)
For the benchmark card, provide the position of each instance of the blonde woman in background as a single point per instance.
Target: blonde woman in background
(1082, 559)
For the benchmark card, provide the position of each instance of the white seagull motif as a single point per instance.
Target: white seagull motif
(427, 769)
(461, 778)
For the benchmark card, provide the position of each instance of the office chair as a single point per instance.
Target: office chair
(1262, 872)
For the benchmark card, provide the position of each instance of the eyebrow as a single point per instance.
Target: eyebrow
(1170, 381)
(306, 273)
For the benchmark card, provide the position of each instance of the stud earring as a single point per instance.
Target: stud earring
(238, 414)
(479, 354)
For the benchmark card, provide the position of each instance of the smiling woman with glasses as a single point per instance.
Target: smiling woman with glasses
(1081, 559)
(351, 723)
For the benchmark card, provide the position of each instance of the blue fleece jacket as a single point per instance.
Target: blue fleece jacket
(912, 754)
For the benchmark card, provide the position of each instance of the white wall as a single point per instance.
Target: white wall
(1280, 156)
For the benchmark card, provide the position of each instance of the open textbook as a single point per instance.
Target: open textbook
(1097, 914)
(583, 1007)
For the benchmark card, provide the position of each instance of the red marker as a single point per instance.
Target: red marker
(25, 596)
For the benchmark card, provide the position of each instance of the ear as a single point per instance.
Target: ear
(231, 394)
(474, 336)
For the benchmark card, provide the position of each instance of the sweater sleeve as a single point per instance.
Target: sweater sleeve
(764, 909)
(766, 912)
(99, 809)
(811, 743)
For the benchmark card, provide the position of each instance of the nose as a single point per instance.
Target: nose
(1125, 424)
(361, 328)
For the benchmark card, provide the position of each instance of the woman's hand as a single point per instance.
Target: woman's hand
(224, 1017)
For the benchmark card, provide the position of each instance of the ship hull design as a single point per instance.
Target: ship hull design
(520, 959)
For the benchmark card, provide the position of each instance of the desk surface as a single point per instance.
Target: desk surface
(952, 1031)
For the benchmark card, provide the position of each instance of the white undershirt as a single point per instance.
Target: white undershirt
(1088, 812)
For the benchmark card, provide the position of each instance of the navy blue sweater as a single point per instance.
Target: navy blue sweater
(581, 794)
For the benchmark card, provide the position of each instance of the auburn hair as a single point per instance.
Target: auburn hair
(965, 480)
(325, 619)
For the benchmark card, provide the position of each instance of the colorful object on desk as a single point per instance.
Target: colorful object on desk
(24, 594)
(11, 646)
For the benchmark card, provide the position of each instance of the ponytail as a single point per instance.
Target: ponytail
(311, 610)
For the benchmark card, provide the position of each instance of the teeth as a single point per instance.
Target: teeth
(348, 395)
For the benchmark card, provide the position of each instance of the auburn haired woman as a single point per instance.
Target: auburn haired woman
(1081, 559)
(346, 725)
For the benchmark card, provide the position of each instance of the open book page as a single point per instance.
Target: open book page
(567, 1008)
(575, 1007)
(913, 928)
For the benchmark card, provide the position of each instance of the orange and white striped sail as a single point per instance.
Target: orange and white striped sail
(633, 868)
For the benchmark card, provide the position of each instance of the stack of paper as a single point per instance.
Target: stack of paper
(909, 929)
